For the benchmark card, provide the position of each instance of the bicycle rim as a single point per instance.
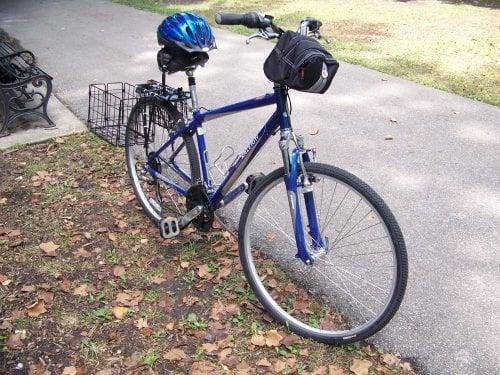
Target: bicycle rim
(157, 198)
(349, 292)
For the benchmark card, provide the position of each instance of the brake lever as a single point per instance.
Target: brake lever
(264, 34)
(316, 34)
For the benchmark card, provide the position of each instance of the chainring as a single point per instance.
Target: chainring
(197, 196)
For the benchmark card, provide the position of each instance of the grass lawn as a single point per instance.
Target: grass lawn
(88, 287)
(450, 45)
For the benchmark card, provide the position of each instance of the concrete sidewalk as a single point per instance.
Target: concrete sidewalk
(440, 173)
(32, 129)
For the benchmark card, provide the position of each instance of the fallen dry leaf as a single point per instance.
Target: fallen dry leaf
(258, 340)
(5, 325)
(223, 273)
(220, 310)
(360, 366)
(190, 300)
(28, 288)
(321, 370)
(72, 370)
(118, 271)
(158, 280)
(48, 297)
(82, 253)
(166, 302)
(273, 338)
(390, 359)
(130, 297)
(208, 347)
(121, 224)
(14, 233)
(175, 355)
(279, 366)
(205, 368)
(82, 290)
(204, 271)
(290, 340)
(335, 370)
(16, 243)
(38, 368)
(313, 131)
(36, 309)
(264, 362)
(141, 323)
(65, 285)
(120, 312)
(49, 248)
(224, 353)
(14, 341)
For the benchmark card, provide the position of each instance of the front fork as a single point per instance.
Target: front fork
(294, 164)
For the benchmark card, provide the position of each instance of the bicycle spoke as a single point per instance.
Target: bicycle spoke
(351, 274)
(342, 289)
(354, 275)
(359, 243)
(334, 212)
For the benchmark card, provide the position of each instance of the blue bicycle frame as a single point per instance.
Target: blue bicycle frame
(223, 195)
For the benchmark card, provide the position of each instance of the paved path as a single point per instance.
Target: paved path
(32, 129)
(440, 174)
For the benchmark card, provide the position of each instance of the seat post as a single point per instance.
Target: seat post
(192, 89)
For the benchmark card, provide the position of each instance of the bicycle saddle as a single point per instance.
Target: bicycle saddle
(175, 61)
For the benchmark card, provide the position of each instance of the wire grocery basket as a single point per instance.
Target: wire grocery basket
(110, 105)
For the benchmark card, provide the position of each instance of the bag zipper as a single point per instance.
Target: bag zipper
(307, 55)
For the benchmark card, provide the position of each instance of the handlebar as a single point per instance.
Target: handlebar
(267, 29)
(251, 20)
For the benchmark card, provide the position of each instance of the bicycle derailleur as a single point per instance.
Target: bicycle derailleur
(199, 212)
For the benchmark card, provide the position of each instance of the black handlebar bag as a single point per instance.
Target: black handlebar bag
(300, 63)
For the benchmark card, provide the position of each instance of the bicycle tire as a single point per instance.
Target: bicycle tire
(267, 300)
(190, 146)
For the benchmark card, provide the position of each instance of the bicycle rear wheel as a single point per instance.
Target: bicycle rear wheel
(349, 292)
(149, 126)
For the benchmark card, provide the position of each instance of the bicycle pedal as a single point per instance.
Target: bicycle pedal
(169, 227)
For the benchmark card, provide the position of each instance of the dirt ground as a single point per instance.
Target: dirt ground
(87, 285)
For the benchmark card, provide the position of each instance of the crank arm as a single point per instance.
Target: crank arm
(171, 226)
(190, 216)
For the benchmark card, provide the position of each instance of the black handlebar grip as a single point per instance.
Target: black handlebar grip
(251, 20)
(229, 18)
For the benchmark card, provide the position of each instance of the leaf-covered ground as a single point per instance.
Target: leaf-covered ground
(87, 285)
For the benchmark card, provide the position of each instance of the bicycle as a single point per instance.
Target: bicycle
(320, 249)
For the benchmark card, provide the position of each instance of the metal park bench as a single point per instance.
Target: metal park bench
(24, 88)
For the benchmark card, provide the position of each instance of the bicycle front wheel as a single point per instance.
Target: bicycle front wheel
(353, 288)
(149, 126)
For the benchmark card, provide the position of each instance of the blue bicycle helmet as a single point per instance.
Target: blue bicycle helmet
(189, 31)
